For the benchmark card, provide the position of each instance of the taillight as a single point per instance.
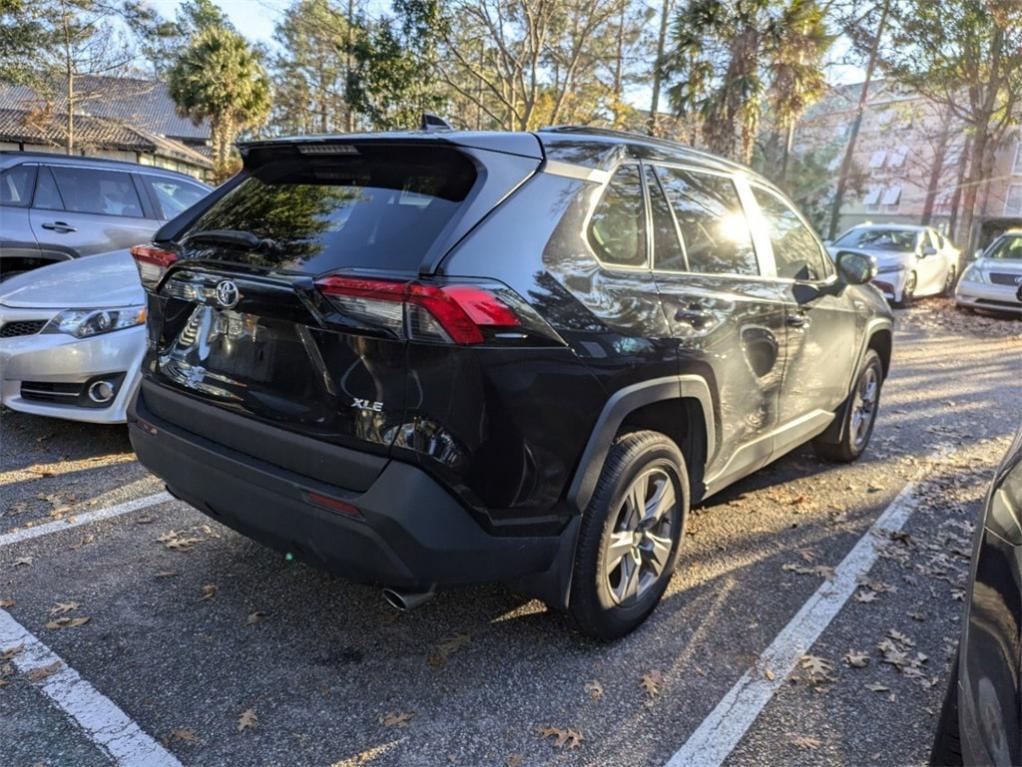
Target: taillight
(458, 313)
(152, 263)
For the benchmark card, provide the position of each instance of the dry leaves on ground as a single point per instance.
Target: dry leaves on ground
(595, 689)
(61, 608)
(806, 742)
(248, 720)
(651, 682)
(10, 652)
(255, 616)
(23, 562)
(208, 592)
(68, 622)
(5, 603)
(818, 670)
(822, 571)
(444, 649)
(391, 719)
(183, 735)
(856, 658)
(43, 672)
(570, 738)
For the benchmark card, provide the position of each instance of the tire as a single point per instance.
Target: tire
(605, 602)
(863, 402)
(908, 294)
(947, 745)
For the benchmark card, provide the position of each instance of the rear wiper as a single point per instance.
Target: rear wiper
(233, 237)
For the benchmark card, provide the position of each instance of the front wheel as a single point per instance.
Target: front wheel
(860, 414)
(630, 535)
(908, 293)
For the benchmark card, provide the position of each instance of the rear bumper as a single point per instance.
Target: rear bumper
(410, 532)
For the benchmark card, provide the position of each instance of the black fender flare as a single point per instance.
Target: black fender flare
(617, 408)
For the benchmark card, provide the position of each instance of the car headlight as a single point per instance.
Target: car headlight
(891, 269)
(82, 323)
(973, 273)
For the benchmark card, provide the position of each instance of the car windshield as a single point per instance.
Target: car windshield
(1007, 249)
(898, 240)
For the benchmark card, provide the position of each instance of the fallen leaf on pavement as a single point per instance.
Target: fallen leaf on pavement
(806, 742)
(247, 720)
(595, 689)
(10, 652)
(569, 738)
(166, 574)
(63, 607)
(255, 617)
(865, 596)
(439, 655)
(183, 735)
(856, 658)
(396, 720)
(68, 623)
(818, 668)
(5, 603)
(651, 682)
(515, 760)
(208, 591)
(43, 672)
(877, 687)
(23, 562)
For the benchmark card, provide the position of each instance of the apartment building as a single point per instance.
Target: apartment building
(909, 162)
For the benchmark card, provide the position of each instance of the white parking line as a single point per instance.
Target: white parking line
(103, 723)
(88, 517)
(719, 734)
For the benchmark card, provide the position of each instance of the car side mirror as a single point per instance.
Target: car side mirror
(929, 250)
(856, 268)
(978, 254)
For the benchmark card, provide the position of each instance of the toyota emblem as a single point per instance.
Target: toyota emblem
(227, 294)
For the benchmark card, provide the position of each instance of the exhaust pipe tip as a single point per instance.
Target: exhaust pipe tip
(403, 601)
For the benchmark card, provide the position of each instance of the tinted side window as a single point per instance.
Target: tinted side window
(16, 186)
(172, 196)
(46, 194)
(617, 231)
(713, 226)
(667, 251)
(110, 193)
(796, 251)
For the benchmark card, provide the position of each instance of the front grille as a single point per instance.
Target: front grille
(1000, 278)
(23, 328)
(46, 391)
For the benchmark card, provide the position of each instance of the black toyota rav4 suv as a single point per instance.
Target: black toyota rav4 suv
(422, 359)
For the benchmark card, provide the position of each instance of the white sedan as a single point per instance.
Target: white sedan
(912, 261)
(994, 280)
(72, 336)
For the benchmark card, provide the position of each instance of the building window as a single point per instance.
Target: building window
(892, 196)
(873, 195)
(878, 159)
(1017, 165)
(897, 159)
(1013, 201)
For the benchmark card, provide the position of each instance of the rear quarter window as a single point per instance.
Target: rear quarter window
(382, 208)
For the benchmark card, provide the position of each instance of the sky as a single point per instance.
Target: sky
(256, 19)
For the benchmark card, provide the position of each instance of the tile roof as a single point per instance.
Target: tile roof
(20, 125)
(144, 103)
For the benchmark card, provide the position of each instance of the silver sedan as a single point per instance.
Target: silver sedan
(72, 336)
(994, 280)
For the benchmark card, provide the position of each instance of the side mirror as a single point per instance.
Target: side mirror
(856, 268)
(928, 251)
(978, 254)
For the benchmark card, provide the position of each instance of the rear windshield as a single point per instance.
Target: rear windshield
(381, 208)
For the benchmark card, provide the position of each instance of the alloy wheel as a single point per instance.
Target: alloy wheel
(640, 541)
(864, 406)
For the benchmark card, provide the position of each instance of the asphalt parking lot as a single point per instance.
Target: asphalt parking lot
(203, 648)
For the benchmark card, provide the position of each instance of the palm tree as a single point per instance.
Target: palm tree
(219, 78)
(798, 41)
(728, 102)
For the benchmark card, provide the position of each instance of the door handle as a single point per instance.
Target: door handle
(59, 226)
(694, 317)
(799, 320)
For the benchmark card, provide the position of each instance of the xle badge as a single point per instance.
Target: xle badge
(364, 404)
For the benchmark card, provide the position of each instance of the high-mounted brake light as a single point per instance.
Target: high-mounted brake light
(152, 263)
(439, 313)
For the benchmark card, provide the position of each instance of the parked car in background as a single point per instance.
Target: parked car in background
(981, 720)
(912, 261)
(434, 358)
(994, 280)
(55, 208)
(72, 336)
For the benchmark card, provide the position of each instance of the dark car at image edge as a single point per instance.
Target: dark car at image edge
(435, 358)
(981, 720)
